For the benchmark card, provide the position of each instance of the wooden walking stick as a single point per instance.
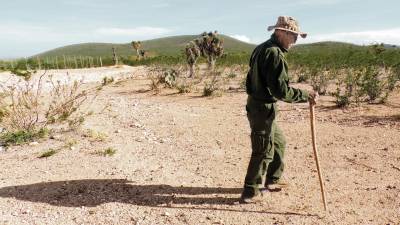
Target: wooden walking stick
(312, 119)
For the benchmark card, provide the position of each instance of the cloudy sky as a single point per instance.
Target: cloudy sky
(30, 27)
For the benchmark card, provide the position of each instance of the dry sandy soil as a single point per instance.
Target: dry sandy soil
(182, 158)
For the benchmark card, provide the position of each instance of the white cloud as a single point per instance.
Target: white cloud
(19, 39)
(388, 36)
(134, 32)
(243, 38)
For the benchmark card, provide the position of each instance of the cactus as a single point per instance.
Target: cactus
(170, 77)
(208, 45)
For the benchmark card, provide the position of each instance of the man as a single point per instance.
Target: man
(267, 81)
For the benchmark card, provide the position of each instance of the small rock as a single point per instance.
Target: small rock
(166, 214)
(34, 143)
(118, 131)
(2, 149)
(55, 137)
(137, 125)
(72, 148)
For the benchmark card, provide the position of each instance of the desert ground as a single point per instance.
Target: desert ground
(182, 158)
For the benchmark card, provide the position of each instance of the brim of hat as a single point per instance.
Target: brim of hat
(302, 34)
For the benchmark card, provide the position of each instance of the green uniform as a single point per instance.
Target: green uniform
(267, 81)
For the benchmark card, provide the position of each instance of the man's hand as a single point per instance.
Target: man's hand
(313, 97)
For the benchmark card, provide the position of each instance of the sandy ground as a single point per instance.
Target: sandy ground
(181, 159)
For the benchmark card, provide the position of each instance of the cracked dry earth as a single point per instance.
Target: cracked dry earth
(181, 159)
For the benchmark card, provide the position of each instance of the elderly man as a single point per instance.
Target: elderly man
(267, 82)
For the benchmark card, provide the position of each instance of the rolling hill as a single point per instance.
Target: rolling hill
(161, 46)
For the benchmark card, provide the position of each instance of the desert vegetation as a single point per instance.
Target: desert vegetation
(29, 112)
(160, 125)
(352, 74)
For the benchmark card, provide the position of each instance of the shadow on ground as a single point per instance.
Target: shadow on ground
(94, 192)
(90, 193)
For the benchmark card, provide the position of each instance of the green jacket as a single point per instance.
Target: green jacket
(267, 80)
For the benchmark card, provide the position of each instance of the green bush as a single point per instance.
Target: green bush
(48, 153)
(371, 85)
(107, 152)
(22, 136)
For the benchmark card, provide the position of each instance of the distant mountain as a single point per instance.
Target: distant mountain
(175, 45)
(161, 46)
(390, 46)
(326, 45)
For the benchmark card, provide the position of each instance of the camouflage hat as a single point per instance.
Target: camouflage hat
(288, 23)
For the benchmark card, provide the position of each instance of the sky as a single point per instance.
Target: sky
(30, 27)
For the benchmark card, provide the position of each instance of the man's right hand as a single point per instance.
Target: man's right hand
(313, 97)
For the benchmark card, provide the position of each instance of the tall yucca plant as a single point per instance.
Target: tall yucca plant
(137, 45)
(208, 45)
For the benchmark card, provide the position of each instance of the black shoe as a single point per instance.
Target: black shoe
(251, 197)
(275, 186)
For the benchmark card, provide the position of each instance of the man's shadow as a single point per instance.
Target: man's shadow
(94, 192)
(91, 193)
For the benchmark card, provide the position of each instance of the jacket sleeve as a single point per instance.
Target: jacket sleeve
(275, 70)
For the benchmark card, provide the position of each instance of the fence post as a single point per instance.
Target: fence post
(65, 63)
(47, 63)
(57, 63)
(39, 63)
(26, 64)
(115, 59)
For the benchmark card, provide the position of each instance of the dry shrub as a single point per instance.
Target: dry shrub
(161, 77)
(107, 80)
(25, 108)
(184, 86)
(20, 106)
(155, 85)
(67, 101)
(370, 84)
(214, 86)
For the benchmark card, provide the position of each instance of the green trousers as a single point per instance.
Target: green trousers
(268, 146)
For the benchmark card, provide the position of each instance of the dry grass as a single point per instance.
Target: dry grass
(28, 108)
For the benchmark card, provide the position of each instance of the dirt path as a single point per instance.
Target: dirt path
(181, 159)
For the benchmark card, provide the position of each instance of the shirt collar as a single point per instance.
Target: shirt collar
(274, 40)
